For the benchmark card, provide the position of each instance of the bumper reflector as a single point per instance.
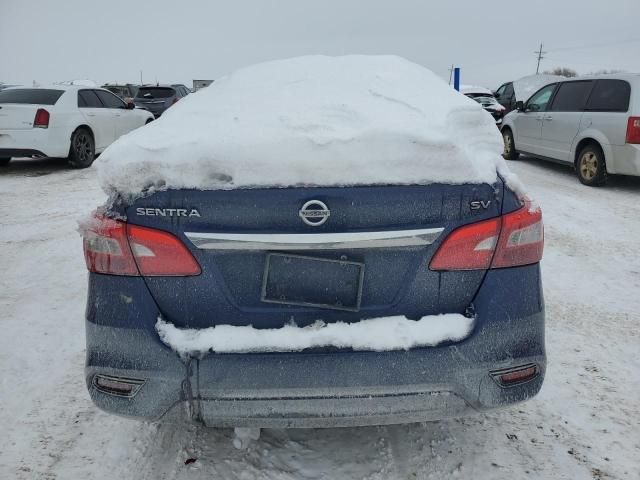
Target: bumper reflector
(118, 386)
(510, 377)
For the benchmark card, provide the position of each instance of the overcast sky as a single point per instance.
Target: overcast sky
(177, 41)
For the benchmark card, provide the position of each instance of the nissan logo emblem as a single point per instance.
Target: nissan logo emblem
(314, 213)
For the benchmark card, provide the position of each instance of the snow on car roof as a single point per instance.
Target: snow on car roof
(313, 121)
(527, 86)
(474, 89)
(51, 86)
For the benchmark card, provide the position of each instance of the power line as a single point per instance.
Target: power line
(581, 47)
(579, 62)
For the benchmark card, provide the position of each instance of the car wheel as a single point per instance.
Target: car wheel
(590, 166)
(4, 162)
(149, 120)
(509, 152)
(83, 149)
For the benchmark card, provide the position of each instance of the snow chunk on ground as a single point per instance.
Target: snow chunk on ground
(377, 334)
(313, 121)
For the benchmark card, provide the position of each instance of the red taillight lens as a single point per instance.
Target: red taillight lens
(514, 239)
(159, 253)
(468, 248)
(106, 249)
(633, 130)
(521, 239)
(116, 248)
(41, 119)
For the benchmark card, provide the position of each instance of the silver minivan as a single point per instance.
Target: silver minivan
(592, 123)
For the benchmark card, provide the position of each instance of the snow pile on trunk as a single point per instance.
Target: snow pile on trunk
(313, 121)
(377, 334)
(527, 86)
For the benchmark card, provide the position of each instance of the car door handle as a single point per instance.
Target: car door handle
(548, 118)
(91, 114)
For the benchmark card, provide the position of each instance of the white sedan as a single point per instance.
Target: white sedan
(73, 122)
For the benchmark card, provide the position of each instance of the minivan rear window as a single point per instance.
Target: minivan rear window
(610, 96)
(30, 96)
(155, 92)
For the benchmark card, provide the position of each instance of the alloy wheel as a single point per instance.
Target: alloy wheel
(508, 143)
(588, 165)
(82, 146)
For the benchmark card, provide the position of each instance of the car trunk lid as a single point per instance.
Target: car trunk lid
(366, 256)
(18, 106)
(17, 117)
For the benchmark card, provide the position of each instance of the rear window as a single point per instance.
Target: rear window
(610, 96)
(155, 92)
(32, 96)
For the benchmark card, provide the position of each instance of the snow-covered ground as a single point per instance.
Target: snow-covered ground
(585, 424)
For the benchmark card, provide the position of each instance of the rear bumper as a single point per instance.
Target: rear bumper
(625, 159)
(318, 389)
(45, 142)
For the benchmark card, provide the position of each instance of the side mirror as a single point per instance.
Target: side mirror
(131, 105)
(519, 106)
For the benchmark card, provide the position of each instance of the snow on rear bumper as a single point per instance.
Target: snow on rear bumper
(319, 389)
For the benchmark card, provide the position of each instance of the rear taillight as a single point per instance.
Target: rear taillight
(514, 239)
(159, 253)
(468, 248)
(116, 248)
(633, 130)
(106, 249)
(41, 119)
(521, 239)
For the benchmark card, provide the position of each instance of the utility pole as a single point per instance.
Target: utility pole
(540, 54)
(141, 78)
(450, 73)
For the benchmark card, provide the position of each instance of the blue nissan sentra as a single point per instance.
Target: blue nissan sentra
(223, 294)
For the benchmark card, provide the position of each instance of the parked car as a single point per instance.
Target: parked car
(7, 85)
(126, 92)
(485, 97)
(157, 98)
(509, 93)
(182, 88)
(63, 121)
(250, 245)
(592, 124)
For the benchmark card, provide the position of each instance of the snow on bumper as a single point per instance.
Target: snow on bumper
(375, 334)
(312, 388)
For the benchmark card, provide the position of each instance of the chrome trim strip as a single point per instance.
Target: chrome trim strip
(314, 241)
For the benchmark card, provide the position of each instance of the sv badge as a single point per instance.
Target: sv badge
(479, 204)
